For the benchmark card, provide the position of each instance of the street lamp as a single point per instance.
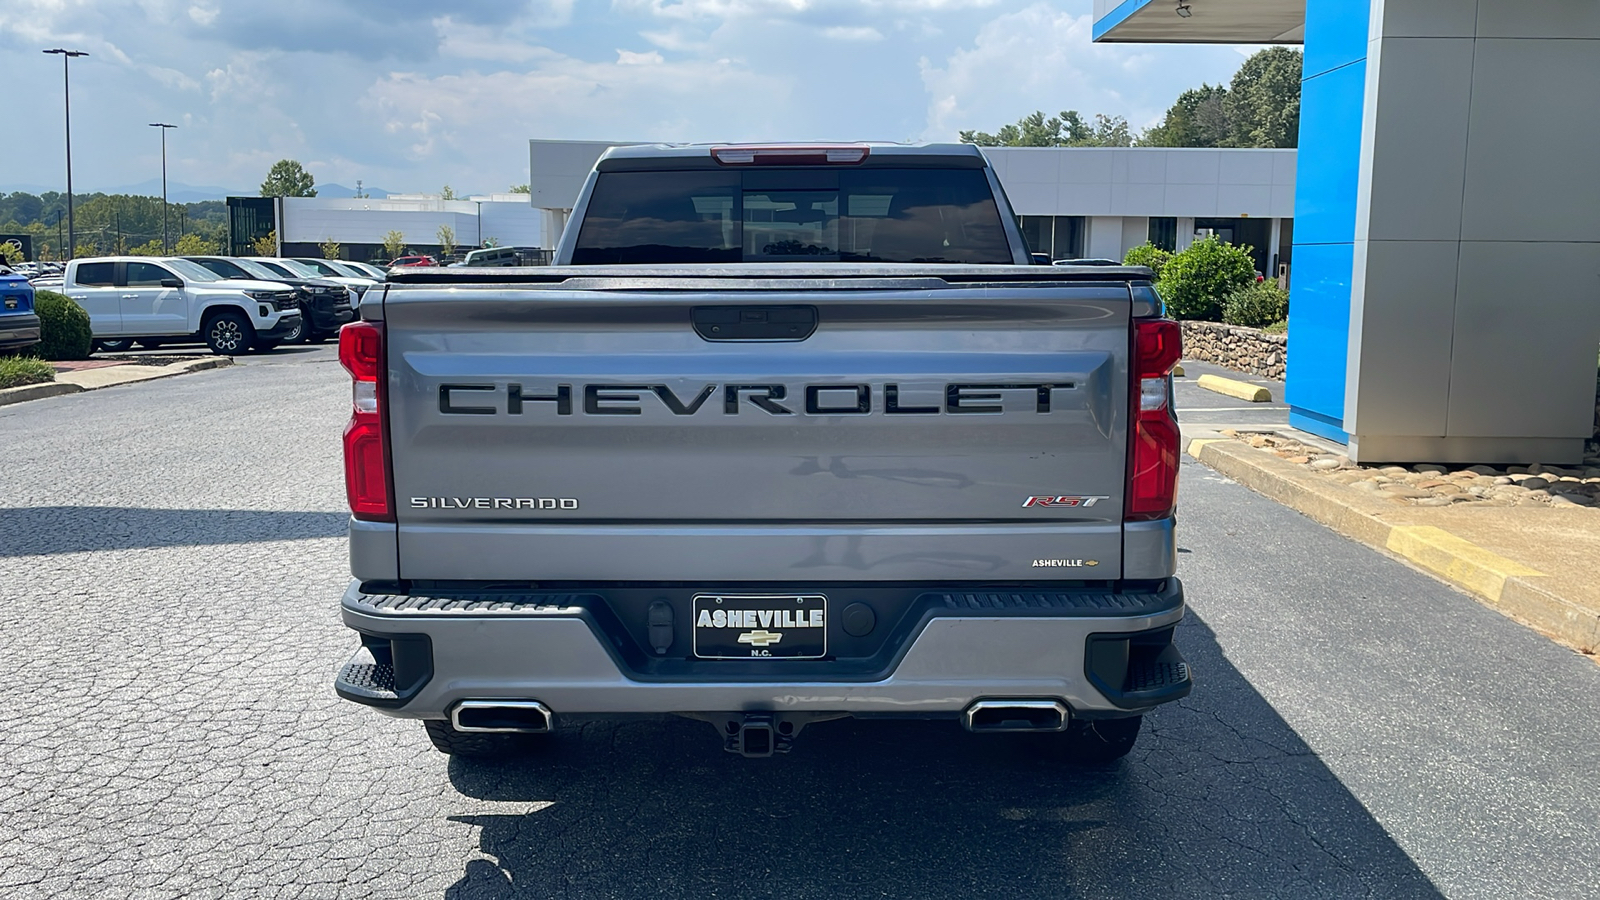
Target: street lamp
(163, 126)
(66, 95)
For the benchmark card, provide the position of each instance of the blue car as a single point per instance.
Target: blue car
(19, 324)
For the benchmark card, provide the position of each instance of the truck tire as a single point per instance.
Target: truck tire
(228, 332)
(1098, 741)
(300, 331)
(475, 745)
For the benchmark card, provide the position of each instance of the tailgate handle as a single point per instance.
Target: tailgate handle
(754, 323)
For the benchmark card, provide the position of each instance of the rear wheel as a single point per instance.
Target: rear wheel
(476, 745)
(229, 332)
(1097, 741)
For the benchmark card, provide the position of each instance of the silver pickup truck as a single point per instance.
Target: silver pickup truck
(785, 434)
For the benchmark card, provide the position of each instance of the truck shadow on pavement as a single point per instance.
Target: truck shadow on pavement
(46, 530)
(1220, 797)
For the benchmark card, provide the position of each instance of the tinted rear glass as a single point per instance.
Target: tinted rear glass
(95, 274)
(792, 215)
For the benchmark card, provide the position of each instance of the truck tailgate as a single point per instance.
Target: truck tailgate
(550, 433)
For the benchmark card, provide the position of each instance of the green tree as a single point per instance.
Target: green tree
(447, 240)
(330, 249)
(1263, 100)
(1197, 278)
(10, 253)
(1069, 129)
(266, 246)
(151, 247)
(394, 245)
(447, 193)
(1260, 107)
(195, 245)
(518, 189)
(1197, 119)
(287, 178)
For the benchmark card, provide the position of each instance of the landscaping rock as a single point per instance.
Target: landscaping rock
(1325, 464)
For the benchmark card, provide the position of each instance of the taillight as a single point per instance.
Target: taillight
(835, 155)
(1154, 438)
(366, 457)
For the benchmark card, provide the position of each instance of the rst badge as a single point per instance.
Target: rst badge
(1068, 501)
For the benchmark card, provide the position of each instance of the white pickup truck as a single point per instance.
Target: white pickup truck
(155, 299)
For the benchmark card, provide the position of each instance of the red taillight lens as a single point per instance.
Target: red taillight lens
(1154, 438)
(366, 457)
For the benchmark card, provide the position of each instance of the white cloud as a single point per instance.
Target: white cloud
(848, 33)
(1040, 58)
(202, 16)
(642, 94)
(463, 40)
(626, 58)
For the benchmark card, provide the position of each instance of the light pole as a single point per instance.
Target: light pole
(66, 95)
(165, 249)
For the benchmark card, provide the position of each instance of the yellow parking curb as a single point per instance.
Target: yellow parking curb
(1462, 562)
(1237, 389)
(1177, 371)
(1198, 444)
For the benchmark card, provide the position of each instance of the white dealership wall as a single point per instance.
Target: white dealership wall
(507, 218)
(1117, 190)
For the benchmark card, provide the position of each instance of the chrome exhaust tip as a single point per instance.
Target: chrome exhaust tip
(502, 717)
(1015, 715)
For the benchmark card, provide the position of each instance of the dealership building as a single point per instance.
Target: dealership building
(1445, 304)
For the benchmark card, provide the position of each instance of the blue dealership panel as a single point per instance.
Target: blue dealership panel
(1319, 323)
(1328, 169)
(1336, 35)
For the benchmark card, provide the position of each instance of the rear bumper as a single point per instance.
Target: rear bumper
(18, 331)
(423, 655)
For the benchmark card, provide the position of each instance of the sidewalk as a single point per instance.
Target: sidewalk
(92, 374)
(1534, 563)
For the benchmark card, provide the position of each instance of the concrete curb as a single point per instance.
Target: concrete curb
(1236, 389)
(1500, 583)
(110, 376)
(36, 391)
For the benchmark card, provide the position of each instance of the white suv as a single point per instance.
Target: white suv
(151, 299)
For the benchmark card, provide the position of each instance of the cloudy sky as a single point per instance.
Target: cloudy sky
(407, 96)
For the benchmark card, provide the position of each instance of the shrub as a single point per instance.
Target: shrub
(1256, 305)
(16, 371)
(1277, 327)
(63, 327)
(1149, 255)
(1196, 279)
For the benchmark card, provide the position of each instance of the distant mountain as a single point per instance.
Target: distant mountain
(179, 192)
(339, 191)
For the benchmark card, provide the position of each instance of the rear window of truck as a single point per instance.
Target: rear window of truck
(792, 215)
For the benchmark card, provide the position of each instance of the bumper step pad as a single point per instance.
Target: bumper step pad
(368, 680)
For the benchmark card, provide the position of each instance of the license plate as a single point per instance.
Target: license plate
(11, 303)
(760, 626)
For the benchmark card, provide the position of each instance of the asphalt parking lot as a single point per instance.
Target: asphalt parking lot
(171, 557)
